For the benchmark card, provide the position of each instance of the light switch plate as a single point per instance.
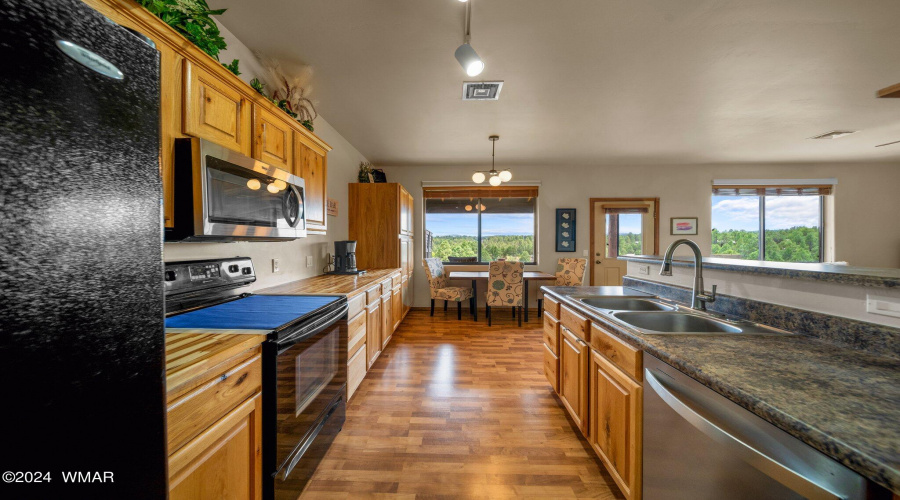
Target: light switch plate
(644, 270)
(309, 261)
(584, 253)
(884, 306)
(274, 265)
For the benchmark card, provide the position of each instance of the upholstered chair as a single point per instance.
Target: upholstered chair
(441, 289)
(505, 287)
(569, 272)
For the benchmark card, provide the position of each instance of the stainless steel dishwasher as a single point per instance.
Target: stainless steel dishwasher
(700, 445)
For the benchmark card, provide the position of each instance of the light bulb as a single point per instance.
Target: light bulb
(468, 208)
(272, 188)
(254, 184)
(478, 177)
(469, 60)
(475, 68)
(505, 176)
(280, 184)
(495, 180)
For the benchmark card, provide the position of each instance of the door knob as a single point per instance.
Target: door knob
(597, 261)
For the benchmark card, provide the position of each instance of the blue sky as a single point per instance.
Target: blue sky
(492, 224)
(782, 212)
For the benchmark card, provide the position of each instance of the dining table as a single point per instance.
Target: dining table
(477, 276)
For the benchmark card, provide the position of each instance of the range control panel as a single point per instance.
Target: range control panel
(200, 275)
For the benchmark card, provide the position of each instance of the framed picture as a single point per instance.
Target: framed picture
(683, 226)
(565, 229)
(332, 207)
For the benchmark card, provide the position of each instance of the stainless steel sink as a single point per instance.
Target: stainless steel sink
(672, 323)
(624, 304)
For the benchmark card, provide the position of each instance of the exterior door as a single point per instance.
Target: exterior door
(621, 227)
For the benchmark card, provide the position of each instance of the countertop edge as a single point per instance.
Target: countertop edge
(832, 273)
(852, 457)
(305, 286)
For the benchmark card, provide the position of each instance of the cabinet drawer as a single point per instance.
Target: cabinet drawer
(551, 306)
(355, 305)
(624, 356)
(576, 323)
(356, 337)
(396, 280)
(356, 371)
(373, 294)
(551, 332)
(387, 285)
(551, 368)
(189, 415)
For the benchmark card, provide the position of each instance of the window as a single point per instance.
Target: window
(480, 229)
(624, 232)
(773, 223)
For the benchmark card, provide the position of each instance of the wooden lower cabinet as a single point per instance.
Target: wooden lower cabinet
(387, 318)
(616, 415)
(373, 332)
(551, 368)
(215, 434)
(573, 376)
(397, 305)
(356, 371)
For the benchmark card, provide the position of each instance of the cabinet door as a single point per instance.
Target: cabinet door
(404, 211)
(373, 332)
(409, 214)
(214, 110)
(615, 419)
(272, 136)
(387, 318)
(397, 305)
(223, 462)
(404, 255)
(573, 373)
(310, 163)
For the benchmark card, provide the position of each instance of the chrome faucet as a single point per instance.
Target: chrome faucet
(699, 298)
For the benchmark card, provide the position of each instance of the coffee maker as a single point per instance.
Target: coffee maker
(345, 257)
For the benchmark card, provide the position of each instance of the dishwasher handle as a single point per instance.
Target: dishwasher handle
(754, 457)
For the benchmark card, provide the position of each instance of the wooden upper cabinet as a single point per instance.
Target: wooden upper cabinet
(272, 139)
(214, 110)
(311, 163)
(615, 420)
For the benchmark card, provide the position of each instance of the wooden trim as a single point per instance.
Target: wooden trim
(892, 91)
(480, 192)
(593, 201)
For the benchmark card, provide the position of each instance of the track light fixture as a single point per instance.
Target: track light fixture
(465, 54)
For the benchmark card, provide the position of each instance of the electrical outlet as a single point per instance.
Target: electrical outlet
(274, 265)
(884, 306)
(309, 261)
(644, 270)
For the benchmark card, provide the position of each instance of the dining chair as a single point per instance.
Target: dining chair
(505, 287)
(441, 289)
(569, 272)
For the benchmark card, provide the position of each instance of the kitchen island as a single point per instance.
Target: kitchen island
(842, 402)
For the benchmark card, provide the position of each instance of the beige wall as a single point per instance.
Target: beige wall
(866, 232)
(343, 162)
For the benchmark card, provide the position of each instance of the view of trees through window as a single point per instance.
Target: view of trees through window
(506, 229)
(629, 229)
(792, 227)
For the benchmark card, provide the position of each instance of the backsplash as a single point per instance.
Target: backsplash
(870, 337)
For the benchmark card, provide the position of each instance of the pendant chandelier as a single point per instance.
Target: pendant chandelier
(493, 176)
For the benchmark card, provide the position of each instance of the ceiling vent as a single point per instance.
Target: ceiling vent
(835, 134)
(481, 91)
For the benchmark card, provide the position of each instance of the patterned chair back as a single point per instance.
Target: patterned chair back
(434, 271)
(570, 272)
(505, 283)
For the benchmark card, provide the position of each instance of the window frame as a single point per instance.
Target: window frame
(762, 229)
(479, 237)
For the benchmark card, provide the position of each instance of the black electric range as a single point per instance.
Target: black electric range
(304, 359)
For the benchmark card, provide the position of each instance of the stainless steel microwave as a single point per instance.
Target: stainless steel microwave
(221, 195)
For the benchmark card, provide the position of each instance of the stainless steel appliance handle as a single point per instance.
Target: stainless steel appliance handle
(756, 458)
(313, 329)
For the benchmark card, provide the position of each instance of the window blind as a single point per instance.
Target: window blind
(783, 187)
(480, 192)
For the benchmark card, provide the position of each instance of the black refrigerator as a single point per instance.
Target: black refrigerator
(81, 317)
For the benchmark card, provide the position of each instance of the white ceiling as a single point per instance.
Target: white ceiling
(595, 82)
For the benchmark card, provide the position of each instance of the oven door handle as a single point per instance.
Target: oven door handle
(313, 329)
(298, 454)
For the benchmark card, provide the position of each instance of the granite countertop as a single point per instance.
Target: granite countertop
(842, 402)
(833, 273)
(332, 284)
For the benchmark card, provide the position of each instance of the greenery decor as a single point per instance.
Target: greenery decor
(292, 95)
(258, 86)
(365, 168)
(233, 67)
(193, 19)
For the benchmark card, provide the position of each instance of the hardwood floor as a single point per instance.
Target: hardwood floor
(454, 409)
